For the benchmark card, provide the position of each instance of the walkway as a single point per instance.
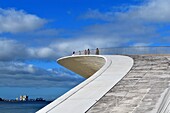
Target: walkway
(141, 91)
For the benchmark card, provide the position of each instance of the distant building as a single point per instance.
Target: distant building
(1, 99)
(23, 98)
(40, 99)
(16, 99)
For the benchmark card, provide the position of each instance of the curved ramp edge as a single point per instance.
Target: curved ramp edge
(86, 94)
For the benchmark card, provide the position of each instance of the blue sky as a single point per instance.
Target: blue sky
(33, 34)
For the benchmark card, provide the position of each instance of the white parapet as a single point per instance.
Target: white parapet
(103, 72)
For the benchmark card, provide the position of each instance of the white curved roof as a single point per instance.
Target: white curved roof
(86, 94)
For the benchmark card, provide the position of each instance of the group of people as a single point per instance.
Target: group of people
(87, 52)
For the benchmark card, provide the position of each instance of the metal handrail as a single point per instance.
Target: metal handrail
(134, 50)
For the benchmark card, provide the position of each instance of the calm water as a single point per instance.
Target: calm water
(21, 107)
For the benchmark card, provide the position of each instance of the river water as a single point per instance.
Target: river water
(22, 107)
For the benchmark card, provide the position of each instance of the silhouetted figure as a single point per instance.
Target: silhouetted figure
(73, 53)
(85, 52)
(97, 51)
(88, 51)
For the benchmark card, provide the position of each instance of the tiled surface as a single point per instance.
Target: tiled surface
(140, 90)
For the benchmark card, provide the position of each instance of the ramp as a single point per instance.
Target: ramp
(103, 72)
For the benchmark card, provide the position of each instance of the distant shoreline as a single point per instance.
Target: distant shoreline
(25, 101)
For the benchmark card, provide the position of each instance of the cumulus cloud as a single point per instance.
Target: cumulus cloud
(15, 21)
(137, 24)
(42, 53)
(11, 49)
(154, 11)
(150, 11)
(19, 74)
(14, 50)
(15, 73)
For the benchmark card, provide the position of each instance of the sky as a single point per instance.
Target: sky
(33, 34)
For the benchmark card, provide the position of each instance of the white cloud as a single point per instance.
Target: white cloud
(18, 74)
(11, 49)
(138, 24)
(42, 53)
(15, 21)
(154, 11)
(21, 74)
(150, 11)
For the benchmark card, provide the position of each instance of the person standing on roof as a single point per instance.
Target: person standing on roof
(73, 53)
(97, 51)
(85, 52)
(88, 51)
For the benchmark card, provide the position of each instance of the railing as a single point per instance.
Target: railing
(130, 50)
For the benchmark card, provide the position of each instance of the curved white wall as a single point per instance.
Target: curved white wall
(84, 65)
(86, 94)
